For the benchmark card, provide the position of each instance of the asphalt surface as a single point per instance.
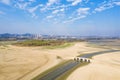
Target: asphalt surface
(64, 68)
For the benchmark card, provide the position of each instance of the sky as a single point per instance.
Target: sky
(61, 17)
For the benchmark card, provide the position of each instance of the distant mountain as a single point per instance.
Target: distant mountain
(8, 36)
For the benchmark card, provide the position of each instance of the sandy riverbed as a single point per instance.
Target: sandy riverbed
(102, 67)
(24, 63)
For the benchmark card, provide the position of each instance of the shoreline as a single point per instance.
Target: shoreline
(33, 57)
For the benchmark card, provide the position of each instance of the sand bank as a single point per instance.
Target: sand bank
(103, 67)
(24, 63)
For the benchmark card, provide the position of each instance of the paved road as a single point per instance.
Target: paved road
(61, 70)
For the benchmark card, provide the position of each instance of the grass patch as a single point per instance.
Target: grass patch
(40, 43)
(51, 69)
(46, 44)
(59, 46)
(58, 57)
(66, 74)
(4, 43)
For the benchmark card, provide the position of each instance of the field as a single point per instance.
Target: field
(24, 62)
(39, 43)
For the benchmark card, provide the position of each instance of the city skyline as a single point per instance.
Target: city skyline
(61, 17)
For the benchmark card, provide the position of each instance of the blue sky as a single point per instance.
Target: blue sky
(61, 17)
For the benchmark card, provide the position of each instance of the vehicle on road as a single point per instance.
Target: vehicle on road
(81, 59)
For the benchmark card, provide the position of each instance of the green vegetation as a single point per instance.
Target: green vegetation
(48, 44)
(58, 57)
(4, 43)
(39, 43)
(66, 74)
(51, 69)
(67, 44)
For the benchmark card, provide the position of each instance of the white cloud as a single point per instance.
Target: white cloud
(7, 2)
(48, 17)
(50, 2)
(104, 6)
(57, 11)
(49, 6)
(33, 9)
(54, 9)
(78, 14)
(74, 19)
(74, 2)
(32, 0)
(56, 16)
(83, 11)
(117, 3)
(62, 9)
(99, 9)
(22, 5)
(26, 6)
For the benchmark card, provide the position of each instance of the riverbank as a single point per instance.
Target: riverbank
(25, 63)
(102, 67)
